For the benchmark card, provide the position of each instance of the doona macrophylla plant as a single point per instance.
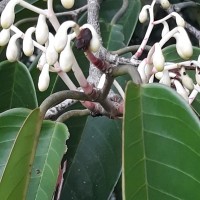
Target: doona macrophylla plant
(58, 56)
(60, 44)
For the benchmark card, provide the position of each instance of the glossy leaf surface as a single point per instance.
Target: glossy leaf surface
(19, 131)
(18, 138)
(96, 165)
(161, 145)
(16, 87)
(113, 37)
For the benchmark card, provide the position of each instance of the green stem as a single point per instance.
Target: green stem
(58, 97)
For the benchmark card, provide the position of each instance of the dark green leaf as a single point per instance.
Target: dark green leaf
(128, 20)
(16, 86)
(161, 148)
(18, 140)
(113, 37)
(96, 165)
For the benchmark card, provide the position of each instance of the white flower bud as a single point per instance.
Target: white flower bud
(180, 90)
(186, 80)
(4, 37)
(28, 47)
(94, 42)
(197, 75)
(141, 70)
(42, 61)
(8, 14)
(183, 44)
(165, 29)
(67, 3)
(61, 35)
(179, 20)
(165, 78)
(12, 51)
(159, 75)
(44, 79)
(148, 70)
(143, 16)
(42, 30)
(66, 60)
(51, 53)
(165, 4)
(158, 58)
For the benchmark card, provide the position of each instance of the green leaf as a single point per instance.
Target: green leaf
(96, 165)
(19, 130)
(51, 148)
(16, 86)
(171, 54)
(113, 37)
(128, 20)
(161, 145)
(18, 140)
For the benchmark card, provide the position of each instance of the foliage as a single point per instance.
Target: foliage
(149, 146)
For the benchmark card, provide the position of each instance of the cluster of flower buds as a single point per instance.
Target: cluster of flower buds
(57, 51)
(155, 64)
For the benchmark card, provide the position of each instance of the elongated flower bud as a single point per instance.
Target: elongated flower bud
(165, 4)
(186, 80)
(42, 61)
(159, 75)
(61, 35)
(66, 60)
(197, 75)
(67, 3)
(180, 90)
(179, 20)
(158, 58)
(141, 70)
(51, 53)
(183, 44)
(143, 16)
(165, 29)
(148, 70)
(165, 78)
(94, 42)
(44, 79)
(28, 47)
(42, 30)
(12, 51)
(8, 14)
(4, 37)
